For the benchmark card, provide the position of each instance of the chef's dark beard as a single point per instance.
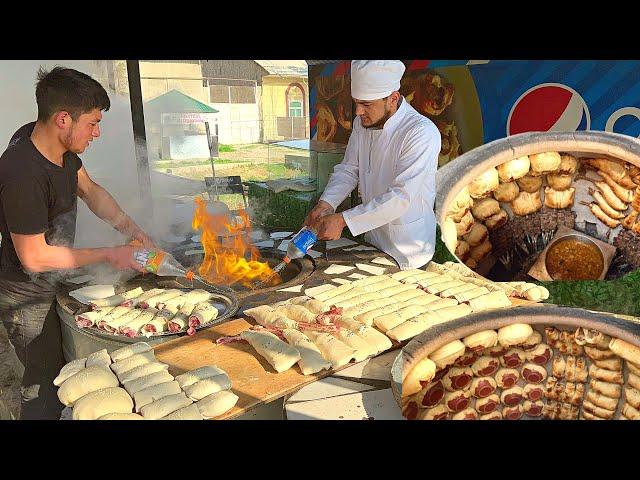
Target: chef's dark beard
(380, 123)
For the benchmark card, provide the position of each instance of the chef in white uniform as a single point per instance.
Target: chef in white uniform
(392, 157)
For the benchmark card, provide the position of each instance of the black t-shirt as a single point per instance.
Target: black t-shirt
(36, 196)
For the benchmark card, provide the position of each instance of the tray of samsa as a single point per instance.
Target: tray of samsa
(535, 362)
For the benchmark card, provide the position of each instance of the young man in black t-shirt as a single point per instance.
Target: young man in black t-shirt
(41, 177)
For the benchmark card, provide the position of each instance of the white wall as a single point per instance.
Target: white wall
(109, 160)
(238, 123)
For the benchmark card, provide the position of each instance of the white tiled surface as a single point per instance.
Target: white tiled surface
(327, 388)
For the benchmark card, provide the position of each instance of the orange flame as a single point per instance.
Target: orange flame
(232, 259)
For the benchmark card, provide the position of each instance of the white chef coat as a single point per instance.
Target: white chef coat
(395, 170)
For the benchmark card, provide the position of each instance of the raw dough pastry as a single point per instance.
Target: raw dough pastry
(216, 404)
(311, 360)
(193, 376)
(101, 402)
(164, 406)
(85, 381)
(280, 355)
(201, 389)
(155, 392)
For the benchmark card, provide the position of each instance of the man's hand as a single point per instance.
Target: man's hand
(321, 208)
(143, 238)
(122, 258)
(330, 227)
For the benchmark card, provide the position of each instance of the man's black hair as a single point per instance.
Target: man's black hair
(65, 89)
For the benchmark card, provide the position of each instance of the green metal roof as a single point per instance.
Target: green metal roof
(177, 102)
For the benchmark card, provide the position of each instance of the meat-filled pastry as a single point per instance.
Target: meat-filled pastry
(483, 209)
(363, 348)
(533, 408)
(496, 221)
(606, 388)
(540, 355)
(512, 358)
(559, 182)
(626, 350)
(204, 312)
(332, 349)
(414, 326)
(485, 183)
(497, 351)
(480, 340)
(466, 414)
(100, 357)
(568, 412)
(533, 392)
(633, 380)
(122, 366)
(193, 376)
(497, 415)
(532, 342)
(458, 400)
(600, 412)
(280, 355)
(478, 252)
(559, 198)
(624, 194)
(614, 364)
(462, 250)
(101, 402)
(485, 366)
(514, 334)
(526, 203)
(581, 372)
(570, 368)
(482, 387)
(477, 235)
(135, 301)
(440, 412)
(121, 416)
(134, 386)
(89, 319)
(605, 375)
(190, 412)
(390, 320)
(311, 360)
(487, 404)
(551, 410)
(447, 354)
(506, 192)
(533, 373)
(115, 300)
(507, 377)
(630, 413)
(450, 292)
(547, 162)
(461, 204)
(529, 184)
(430, 395)
(466, 360)
(217, 403)
(85, 381)
(497, 299)
(633, 368)
(464, 225)
(164, 406)
(558, 366)
(568, 165)
(142, 370)
(203, 388)
(514, 169)
(69, 370)
(614, 168)
(155, 392)
(378, 341)
(158, 301)
(597, 354)
(457, 378)
(602, 400)
(512, 413)
(512, 396)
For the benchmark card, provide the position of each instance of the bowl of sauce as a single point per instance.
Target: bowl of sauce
(574, 257)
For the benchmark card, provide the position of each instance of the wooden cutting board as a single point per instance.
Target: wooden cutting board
(253, 379)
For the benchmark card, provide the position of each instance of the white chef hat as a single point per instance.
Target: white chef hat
(374, 79)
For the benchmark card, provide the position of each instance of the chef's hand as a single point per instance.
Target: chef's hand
(122, 258)
(330, 227)
(321, 208)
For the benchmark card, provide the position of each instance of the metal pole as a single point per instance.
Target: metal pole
(139, 134)
(213, 168)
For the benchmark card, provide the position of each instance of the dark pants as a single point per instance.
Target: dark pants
(28, 312)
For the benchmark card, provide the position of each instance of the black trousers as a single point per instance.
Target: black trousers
(28, 312)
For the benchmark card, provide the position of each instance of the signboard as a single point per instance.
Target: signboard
(224, 185)
(188, 118)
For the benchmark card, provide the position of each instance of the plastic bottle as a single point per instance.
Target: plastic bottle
(160, 263)
(301, 243)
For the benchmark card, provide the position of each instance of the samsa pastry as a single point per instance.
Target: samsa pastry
(460, 205)
(529, 184)
(568, 165)
(476, 235)
(496, 221)
(526, 203)
(506, 192)
(464, 225)
(559, 198)
(547, 162)
(481, 251)
(462, 250)
(514, 169)
(559, 182)
(484, 184)
(485, 208)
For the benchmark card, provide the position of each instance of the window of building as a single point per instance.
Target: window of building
(224, 90)
(295, 108)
